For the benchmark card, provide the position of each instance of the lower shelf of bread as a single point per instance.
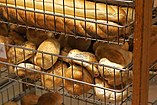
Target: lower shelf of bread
(14, 91)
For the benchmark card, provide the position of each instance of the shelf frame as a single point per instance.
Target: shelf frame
(143, 51)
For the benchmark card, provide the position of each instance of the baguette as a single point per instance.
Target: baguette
(100, 9)
(67, 25)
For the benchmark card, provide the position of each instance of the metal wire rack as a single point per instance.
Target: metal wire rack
(78, 23)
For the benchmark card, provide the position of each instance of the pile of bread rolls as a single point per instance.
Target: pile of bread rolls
(56, 61)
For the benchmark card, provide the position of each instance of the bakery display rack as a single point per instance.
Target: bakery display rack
(85, 50)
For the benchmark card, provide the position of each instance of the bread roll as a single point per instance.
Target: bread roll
(114, 77)
(114, 53)
(46, 61)
(10, 103)
(17, 38)
(77, 73)
(30, 99)
(37, 36)
(64, 52)
(49, 81)
(86, 56)
(3, 29)
(50, 99)
(19, 54)
(27, 72)
(107, 94)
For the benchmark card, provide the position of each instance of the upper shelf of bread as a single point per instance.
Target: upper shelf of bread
(80, 17)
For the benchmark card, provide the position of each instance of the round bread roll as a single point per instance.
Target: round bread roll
(17, 38)
(49, 81)
(46, 61)
(50, 99)
(77, 73)
(108, 94)
(114, 53)
(17, 55)
(25, 71)
(10, 103)
(86, 56)
(113, 76)
(38, 36)
(30, 99)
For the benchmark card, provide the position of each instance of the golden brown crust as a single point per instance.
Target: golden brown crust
(77, 73)
(71, 26)
(114, 77)
(50, 99)
(17, 55)
(49, 81)
(107, 94)
(27, 72)
(30, 99)
(46, 61)
(114, 53)
(86, 56)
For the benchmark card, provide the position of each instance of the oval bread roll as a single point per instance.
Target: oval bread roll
(46, 61)
(17, 55)
(30, 99)
(113, 76)
(86, 56)
(107, 94)
(27, 72)
(10, 103)
(114, 53)
(50, 99)
(49, 81)
(77, 73)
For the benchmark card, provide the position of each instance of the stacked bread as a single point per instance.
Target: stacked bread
(102, 20)
(56, 60)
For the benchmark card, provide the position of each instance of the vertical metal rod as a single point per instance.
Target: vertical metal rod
(143, 20)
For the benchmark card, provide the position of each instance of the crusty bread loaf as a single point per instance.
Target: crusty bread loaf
(26, 71)
(86, 56)
(19, 54)
(49, 81)
(46, 61)
(95, 29)
(30, 99)
(114, 53)
(77, 73)
(114, 77)
(108, 95)
(50, 98)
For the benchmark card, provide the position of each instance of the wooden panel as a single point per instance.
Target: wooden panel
(143, 20)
